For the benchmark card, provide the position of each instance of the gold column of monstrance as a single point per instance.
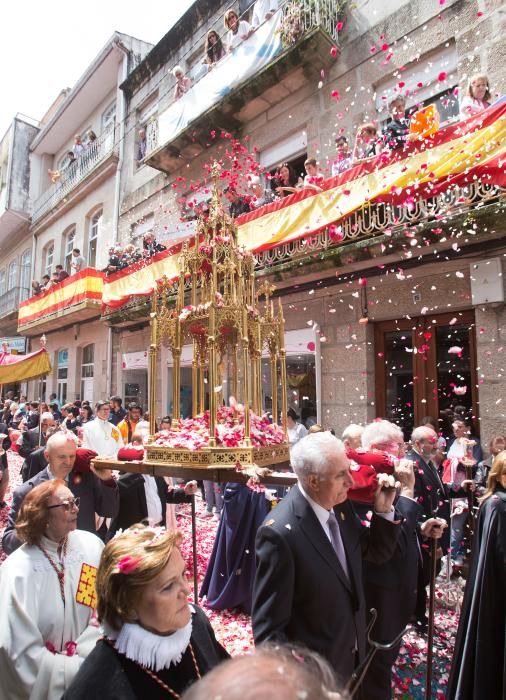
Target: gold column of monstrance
(213, 307)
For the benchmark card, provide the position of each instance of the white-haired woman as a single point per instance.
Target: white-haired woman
(183, 82)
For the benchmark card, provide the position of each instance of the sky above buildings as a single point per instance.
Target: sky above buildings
(46, 45)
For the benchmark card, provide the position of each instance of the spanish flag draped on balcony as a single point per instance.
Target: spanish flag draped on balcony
(84, 286)
(19, 368)
(459, 154)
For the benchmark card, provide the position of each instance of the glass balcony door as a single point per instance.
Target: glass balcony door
(426, 366)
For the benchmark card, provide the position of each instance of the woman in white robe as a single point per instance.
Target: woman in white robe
(47, 597)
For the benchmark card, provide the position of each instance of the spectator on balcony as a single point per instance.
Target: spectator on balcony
(396, 132)
(131, 255)
(114, 262)
(284, 180)
(90, 138)
(477, 97)
(141, 146)
(55, 175)
(314, 178)
(366, 142)
(183, 82)
(238, 205)
(214, 49)
(150, 245)
(78, 148)
(344, 159)
(263, 10)
(260, 196)
(238, 31)
(77, 262)
(46, 283)
(62, 274)
(55, 279)
(36, 288)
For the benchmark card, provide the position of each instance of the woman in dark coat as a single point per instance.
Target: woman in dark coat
(479, 660)
(156, 644)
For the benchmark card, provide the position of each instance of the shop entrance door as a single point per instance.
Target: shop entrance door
(426, 366)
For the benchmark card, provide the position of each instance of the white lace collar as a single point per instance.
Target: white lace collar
(148, 649)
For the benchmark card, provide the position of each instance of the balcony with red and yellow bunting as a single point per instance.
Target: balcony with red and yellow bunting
(449, 190)
(78, 298)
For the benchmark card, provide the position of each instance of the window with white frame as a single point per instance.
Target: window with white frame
(48, 259)
(147, 122)
(109, 117)
(87, 372)
(62, 374)
(12, 274)
(25, 274)
(94, 233)
(2, 282)
(431, 79)
(68, 246)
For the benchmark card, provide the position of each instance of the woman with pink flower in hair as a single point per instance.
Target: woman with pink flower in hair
(155, 644)
(47, 597)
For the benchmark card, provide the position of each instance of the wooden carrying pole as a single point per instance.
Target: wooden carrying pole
(430, 635)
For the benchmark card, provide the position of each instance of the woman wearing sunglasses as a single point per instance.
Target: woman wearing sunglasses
(47, 596)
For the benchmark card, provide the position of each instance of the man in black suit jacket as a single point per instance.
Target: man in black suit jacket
(136, 490)
(97, 490)
(308, 585)
(34, 463)
(391, 587)
(29, 440)
(434, 498)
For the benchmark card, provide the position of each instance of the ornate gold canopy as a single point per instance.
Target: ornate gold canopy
(213, 305)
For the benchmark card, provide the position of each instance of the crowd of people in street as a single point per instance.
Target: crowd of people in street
(359, 526)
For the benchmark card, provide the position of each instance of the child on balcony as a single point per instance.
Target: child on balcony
(396, 131)
(344, 159)
(366, 142)
(477, 98)
(314, 177)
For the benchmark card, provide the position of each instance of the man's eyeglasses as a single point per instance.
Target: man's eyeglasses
(68, 504)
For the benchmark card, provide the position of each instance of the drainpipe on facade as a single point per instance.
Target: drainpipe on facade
(117, 190)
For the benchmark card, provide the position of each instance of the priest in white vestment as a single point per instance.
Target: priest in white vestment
(100, 435)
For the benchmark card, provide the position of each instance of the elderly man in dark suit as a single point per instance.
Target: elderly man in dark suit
(308, 586)
(391, 587)
(96, 489)
(30, 440)
(434, 498)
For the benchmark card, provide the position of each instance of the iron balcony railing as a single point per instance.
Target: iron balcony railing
(71, 176)
(296, 19)
(9, 301)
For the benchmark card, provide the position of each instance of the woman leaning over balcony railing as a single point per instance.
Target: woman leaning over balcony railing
(214, 49)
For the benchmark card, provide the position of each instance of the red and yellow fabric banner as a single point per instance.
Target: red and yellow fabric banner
(86, 285)
(474, 149)
(19, 368)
